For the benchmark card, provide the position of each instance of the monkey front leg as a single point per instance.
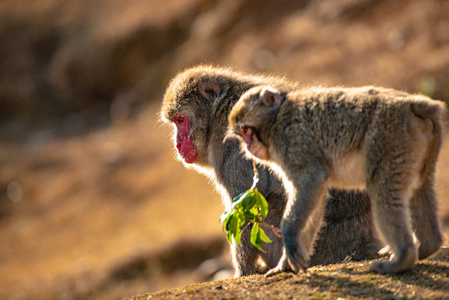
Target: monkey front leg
(244, 256)
(302, 216)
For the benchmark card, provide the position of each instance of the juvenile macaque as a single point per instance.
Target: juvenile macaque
(380, 139)
(197, 102)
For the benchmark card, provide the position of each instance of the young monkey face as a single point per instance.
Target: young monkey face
(253, 144)
(251, 116)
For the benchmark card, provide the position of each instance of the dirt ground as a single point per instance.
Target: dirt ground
(94, 205)
(84, 214)
(429, 280)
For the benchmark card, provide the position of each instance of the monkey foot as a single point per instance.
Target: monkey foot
(385, 267)
(404, 263)
(296, 259)
(429, 248)
(392, 266)
(274, 271)
(385, 251)
(286, 265)
(298, 265)
(283, 266)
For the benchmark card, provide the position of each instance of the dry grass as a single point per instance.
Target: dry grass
(428, 280)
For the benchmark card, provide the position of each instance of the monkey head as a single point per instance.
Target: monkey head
(188, 104)
(252, 117)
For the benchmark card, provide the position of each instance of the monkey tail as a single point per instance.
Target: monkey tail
(434, 114)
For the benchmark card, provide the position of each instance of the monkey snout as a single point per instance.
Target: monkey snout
(187, 151)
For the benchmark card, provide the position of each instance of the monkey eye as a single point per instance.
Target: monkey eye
(243, 130)
(179, 119)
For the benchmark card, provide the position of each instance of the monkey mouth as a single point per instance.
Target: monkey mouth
(254, 148)
(187, 151)
(254, 145)
(191, 158)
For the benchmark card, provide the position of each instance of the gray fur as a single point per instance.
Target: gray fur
(385, 140)
(231, 171)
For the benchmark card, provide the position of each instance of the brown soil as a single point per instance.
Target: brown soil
(428, 280)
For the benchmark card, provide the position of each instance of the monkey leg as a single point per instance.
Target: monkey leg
(283, 266)
(391, 216)
(309, 234)
(307, 237)
(276, 207)
(392, 170)
(244, 256)
(423, 207)
(273, 251)
(300, 217)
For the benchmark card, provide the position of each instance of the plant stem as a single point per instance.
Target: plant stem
(246, 225)
(275, 230)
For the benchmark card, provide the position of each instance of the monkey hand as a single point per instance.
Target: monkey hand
(285, 265)
(296, 257)
(385, 251)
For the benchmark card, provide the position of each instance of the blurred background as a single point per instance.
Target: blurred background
(93, 204)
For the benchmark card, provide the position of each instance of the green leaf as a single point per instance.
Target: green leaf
(227, 228)
(241, 218)
(264, 237)
(250, 216)
(255, 237)
(227, 222)
(240, 196)
(255, 212)
(229, 237)
(225, 215)
(235, 229)
(263, 205)
(249, 206)
(249, 201)
(237, 236)
(237, 201)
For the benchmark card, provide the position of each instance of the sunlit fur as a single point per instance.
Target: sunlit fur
(385, 140)
(206, 95)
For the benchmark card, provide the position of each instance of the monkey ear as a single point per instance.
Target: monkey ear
(210, 90)
(271, 97)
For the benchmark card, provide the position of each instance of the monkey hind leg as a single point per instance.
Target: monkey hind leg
(244, 256)
(391, 215)
(423, 206)
(274, 252)
(393, 224)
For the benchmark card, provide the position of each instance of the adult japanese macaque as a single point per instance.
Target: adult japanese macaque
(380, 139)
(197, 102)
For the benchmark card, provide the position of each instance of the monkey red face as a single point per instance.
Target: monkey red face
(184, 142)
(253, 144)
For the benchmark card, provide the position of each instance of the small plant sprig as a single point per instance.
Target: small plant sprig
(250, 207)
